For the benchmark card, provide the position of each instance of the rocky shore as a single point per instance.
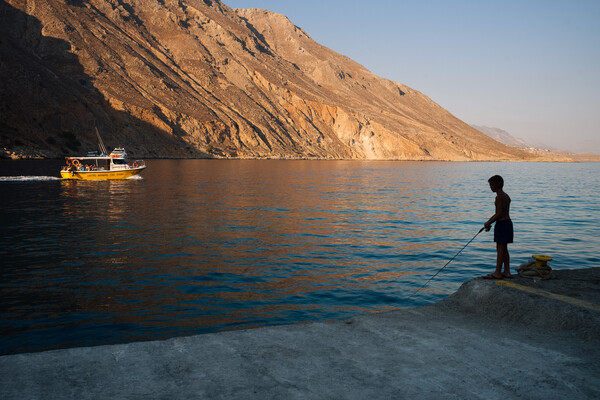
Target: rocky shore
(490, 340)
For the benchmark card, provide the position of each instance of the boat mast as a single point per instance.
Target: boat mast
(101, 143)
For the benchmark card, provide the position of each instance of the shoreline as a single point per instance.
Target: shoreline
(592, 159)
(487, 340)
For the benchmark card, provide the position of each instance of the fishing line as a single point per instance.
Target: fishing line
(456, 255)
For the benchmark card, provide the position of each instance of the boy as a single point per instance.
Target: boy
(503, 230)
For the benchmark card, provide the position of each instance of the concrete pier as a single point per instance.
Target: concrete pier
(490, 340)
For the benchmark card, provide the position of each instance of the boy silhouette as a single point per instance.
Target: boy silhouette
(503, 230)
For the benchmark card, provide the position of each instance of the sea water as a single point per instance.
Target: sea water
(198, 246)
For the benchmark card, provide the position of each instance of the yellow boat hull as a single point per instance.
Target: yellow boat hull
(101, 175)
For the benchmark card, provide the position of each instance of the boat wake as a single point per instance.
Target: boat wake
(28, 178)
(45, 178)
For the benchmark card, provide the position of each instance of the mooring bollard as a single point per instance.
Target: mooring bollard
(541, 261)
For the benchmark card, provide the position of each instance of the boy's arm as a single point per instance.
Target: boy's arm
(496, 216)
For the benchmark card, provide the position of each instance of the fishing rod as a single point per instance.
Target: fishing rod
(456, 255)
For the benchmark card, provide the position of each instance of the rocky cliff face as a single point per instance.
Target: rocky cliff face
(197, 79)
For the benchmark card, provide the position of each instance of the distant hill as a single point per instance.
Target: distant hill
(538, 149)
(501, 136)
(194, 78)
(504, 137)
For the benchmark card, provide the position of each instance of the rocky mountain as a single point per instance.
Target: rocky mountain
(195, 78)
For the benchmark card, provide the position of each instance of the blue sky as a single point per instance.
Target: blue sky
(529, 67)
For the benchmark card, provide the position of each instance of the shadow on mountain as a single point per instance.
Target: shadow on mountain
(49, 106)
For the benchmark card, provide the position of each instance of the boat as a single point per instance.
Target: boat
(96, 166)
(102, 166)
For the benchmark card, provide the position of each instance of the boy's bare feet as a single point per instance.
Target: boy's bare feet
(507, 276)
(492, 276)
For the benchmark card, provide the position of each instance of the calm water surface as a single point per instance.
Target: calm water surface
(200, 246)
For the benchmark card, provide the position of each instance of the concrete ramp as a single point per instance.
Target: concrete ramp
(487, 341)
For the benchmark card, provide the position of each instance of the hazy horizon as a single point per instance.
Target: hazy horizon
(529, 68)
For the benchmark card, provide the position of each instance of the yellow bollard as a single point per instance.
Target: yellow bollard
(541, 261)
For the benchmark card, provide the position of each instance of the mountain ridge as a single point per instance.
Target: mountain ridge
(199, 79)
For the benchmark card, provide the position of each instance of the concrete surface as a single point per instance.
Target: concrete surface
(487, 341)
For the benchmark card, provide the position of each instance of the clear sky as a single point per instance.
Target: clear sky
(530, 67)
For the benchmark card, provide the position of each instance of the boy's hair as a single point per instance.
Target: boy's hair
(496, 181)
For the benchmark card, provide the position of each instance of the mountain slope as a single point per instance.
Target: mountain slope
(196, 78)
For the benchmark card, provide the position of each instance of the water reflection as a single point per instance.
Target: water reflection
(201, 245)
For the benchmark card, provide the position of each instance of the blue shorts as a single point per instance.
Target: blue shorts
(503, 231)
